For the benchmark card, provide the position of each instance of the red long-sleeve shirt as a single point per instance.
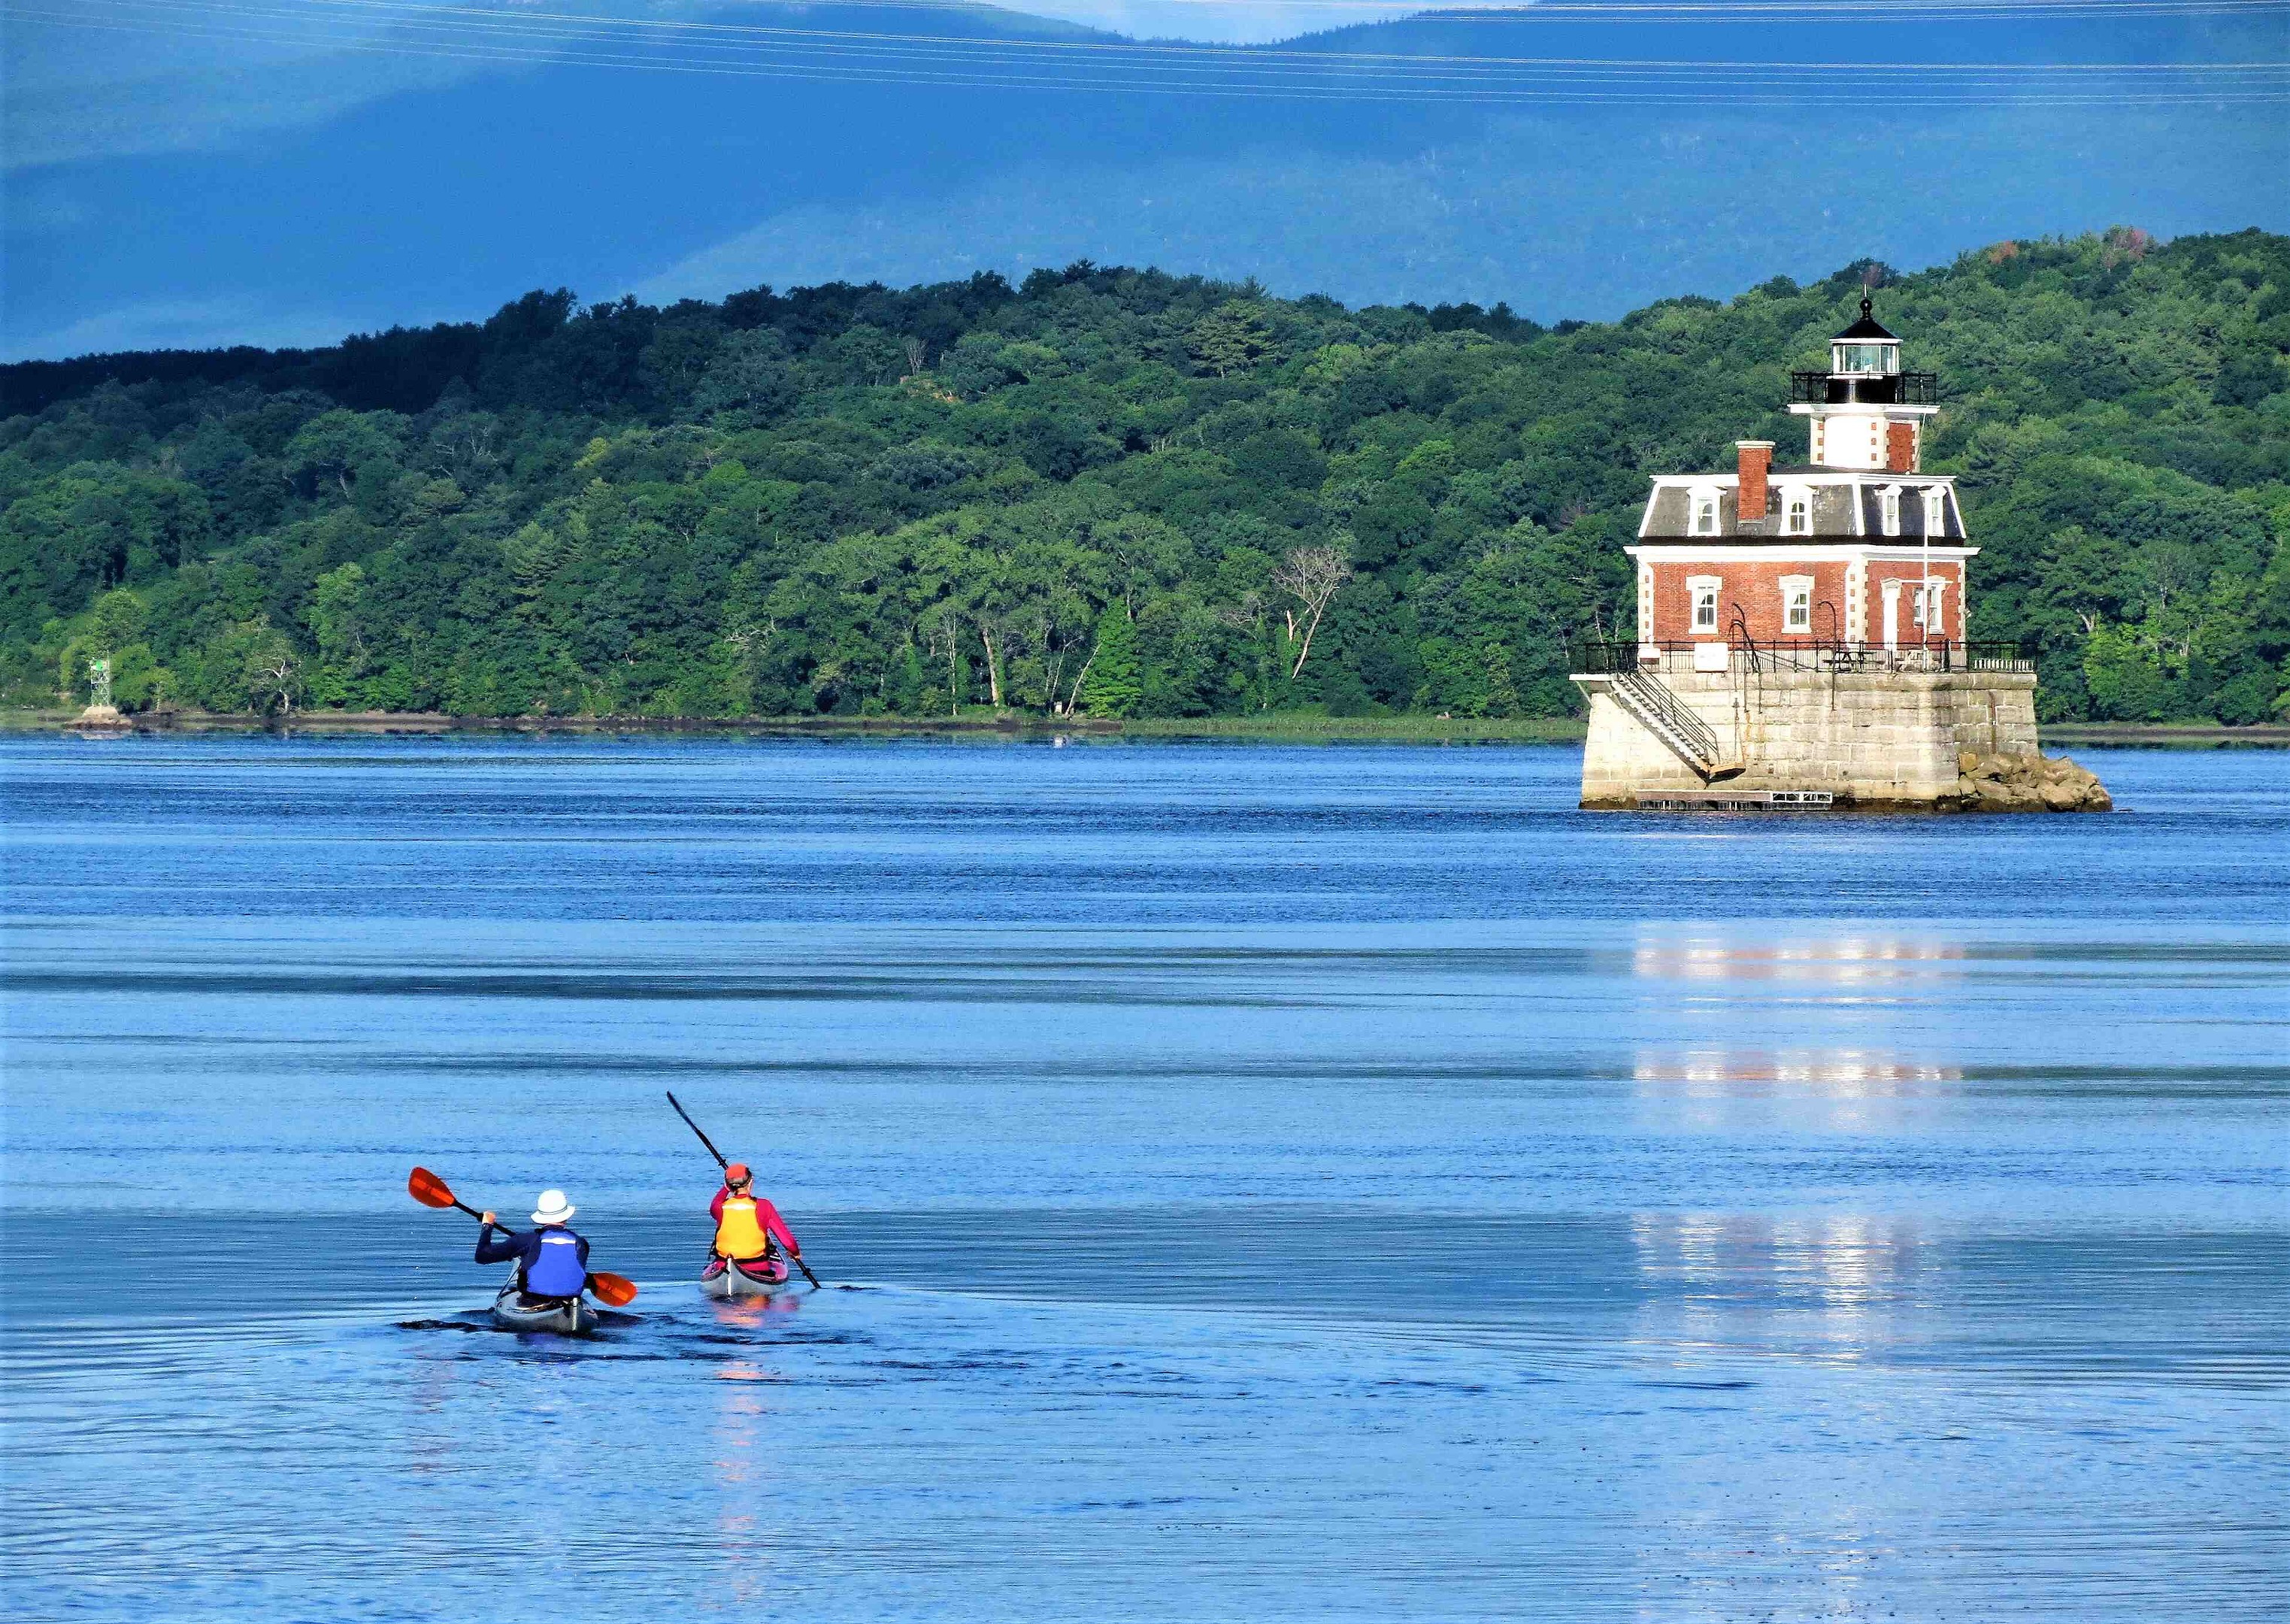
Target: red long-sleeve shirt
(766, 1214)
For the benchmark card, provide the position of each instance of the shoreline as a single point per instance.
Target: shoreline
(1284, 726)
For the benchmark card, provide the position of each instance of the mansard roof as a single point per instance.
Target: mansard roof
(1847, 506)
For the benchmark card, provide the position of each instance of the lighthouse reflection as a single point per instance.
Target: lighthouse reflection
(1844, 1091)
(1823, 1284)
(1843, 961)
(1829, 1285)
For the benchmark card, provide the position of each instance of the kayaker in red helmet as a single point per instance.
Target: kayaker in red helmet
(748, 1226)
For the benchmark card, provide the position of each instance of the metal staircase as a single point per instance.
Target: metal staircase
(1662, 712)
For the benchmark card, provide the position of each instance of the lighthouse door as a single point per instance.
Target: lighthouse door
(1892, 616)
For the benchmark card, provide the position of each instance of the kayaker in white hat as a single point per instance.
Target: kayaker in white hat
(551, 1260)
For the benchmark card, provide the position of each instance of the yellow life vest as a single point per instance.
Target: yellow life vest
(738, 1234)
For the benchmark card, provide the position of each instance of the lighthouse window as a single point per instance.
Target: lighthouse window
(1935, 512)
(1891, 496)
(1926, 603)
(1797, 514)
(1796, 603)
(1705, 516)
(1705, 605)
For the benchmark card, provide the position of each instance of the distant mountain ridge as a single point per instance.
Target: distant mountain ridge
(285, 199)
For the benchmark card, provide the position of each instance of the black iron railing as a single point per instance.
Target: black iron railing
(1612, 659)
(1871, 388)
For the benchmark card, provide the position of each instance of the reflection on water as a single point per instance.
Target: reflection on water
(1829, 1285)
(1271, 1183)
(1683, 954)
(1841, 1090)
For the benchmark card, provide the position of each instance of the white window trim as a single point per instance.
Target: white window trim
(1928, 607)
(1792, 585)
(1695, 495)
(1793, 495)
(1936, 510)
(1888, 507)
(1695, 586)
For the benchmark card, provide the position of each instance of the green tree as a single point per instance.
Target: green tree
(1233, 338)
(1112, 687)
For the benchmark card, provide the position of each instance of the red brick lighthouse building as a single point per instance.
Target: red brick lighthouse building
(1802, 629)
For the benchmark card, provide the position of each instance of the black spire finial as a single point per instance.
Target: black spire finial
(1868, 306)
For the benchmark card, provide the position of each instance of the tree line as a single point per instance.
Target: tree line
(1112, 492)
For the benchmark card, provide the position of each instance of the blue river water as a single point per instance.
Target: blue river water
(1251, 1182)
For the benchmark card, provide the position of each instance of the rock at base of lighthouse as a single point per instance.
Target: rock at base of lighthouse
(2027, 783)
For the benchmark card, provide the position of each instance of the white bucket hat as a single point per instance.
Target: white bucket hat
(554, 1209)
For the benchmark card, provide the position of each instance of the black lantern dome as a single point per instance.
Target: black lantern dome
(1865, 349)
(1864, 367)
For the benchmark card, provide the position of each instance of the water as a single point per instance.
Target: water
(1268, 1182)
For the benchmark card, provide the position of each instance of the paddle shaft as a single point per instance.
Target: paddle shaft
(694, 1127)
(720, 1162)
(473, 1213)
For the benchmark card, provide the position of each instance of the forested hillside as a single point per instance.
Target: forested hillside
(1118, 491)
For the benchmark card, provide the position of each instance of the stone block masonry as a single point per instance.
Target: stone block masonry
(1870, 738)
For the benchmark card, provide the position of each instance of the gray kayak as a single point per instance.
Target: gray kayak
(515, 1311)
(758, 1278)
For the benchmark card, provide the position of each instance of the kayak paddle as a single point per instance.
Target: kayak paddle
(427, 1188)
(720, 1162)
(614, 1291)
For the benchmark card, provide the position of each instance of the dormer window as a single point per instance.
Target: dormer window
(1797, 513)
(1935, 511)
(1889, 496)
(1705, 512)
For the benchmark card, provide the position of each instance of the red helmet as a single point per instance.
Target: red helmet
(737, 1173)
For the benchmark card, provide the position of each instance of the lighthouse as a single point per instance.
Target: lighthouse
(1803, 631)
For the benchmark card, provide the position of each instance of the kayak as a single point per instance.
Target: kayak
(566, 1316)
(756, 1277)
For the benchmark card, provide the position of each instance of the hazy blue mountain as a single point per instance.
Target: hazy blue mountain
(199, 191)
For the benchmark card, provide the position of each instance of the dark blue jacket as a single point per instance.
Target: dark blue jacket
(526, 1248)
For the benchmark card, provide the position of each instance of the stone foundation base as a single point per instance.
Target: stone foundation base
(1868, 740)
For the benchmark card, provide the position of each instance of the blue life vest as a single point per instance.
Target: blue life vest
(555, 1269)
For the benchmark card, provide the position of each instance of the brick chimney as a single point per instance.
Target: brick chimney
(1901, 448)
(1756, 462)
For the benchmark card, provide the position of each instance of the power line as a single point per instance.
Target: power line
(485, 35)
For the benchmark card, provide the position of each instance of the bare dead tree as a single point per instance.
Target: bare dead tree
(1312, 575)
(1073, 694)
(946, 629)
(279, 670)
(993, 665)
(1247, 615)
(918, 353)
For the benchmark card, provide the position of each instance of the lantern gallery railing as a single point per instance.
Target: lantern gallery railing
(1873, 389)
(1607, 658)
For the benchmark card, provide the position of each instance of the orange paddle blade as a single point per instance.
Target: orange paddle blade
(428, 1188)
(618, 1291)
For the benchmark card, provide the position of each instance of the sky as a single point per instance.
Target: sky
(199, 172)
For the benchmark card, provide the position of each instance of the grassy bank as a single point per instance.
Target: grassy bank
(1281, 726)
(2162, 735)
